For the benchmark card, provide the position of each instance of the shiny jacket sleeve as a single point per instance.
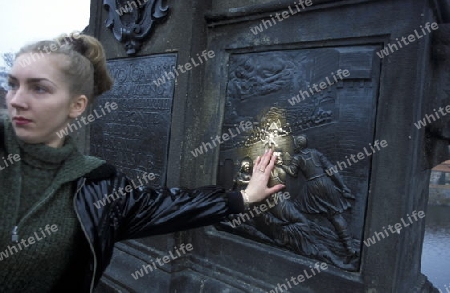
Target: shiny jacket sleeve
(144, 211)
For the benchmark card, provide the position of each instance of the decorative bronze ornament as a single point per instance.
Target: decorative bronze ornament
(132, 21)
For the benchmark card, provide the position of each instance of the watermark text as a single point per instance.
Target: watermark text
(116, 194)
(435, 117)
(243, 126)
(9, 161)
(24, 243)
(297, 280)
(258, 209)
(205, 56)
(76, 125)
(279, 17)
(60, 41)
(173, 255)
(377, 236)
(392, 48)
(314, 88)
(356, 158)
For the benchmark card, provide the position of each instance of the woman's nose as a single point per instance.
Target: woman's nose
(18, 98)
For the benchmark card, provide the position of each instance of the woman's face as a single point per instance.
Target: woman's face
(38, 99)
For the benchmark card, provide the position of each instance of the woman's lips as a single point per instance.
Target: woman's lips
(21, 121)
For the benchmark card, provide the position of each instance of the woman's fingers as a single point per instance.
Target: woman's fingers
(275, 188)
(265, 161)
(271, 164)
(256, 164)
(257, 188)
(264, 164)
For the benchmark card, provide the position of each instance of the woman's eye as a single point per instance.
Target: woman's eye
(12, 86)
(40, 89)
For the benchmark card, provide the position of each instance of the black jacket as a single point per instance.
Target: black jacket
(141, 212)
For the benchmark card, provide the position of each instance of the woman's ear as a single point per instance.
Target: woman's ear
(77, 106)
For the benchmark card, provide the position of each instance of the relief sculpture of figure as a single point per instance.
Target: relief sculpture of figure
(290, 228)
(322, 194)
(283, 223)
(278, 174)
(244, 175)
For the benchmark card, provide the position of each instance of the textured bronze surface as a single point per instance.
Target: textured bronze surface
(323, 218)
(126, 137)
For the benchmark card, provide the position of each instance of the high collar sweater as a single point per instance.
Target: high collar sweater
(36, 202)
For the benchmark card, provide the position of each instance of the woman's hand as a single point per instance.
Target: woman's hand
(257, 189)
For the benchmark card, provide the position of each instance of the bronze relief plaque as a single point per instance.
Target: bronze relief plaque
(316, 108)
(135, 137)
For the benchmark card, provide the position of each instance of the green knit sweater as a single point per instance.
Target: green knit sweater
(36, 195)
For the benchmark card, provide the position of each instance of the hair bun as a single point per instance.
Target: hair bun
(92, 49)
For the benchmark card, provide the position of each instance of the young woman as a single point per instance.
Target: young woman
(51, 236)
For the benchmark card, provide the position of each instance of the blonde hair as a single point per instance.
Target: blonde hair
(85, 69)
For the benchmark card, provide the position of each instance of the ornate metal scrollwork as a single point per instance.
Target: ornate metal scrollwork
(132, 21)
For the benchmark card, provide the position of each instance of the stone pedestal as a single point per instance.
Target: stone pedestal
(265, 53)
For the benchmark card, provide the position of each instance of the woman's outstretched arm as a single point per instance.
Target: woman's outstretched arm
(145, 212)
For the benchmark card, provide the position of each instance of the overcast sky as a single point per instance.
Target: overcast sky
(25, 21)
